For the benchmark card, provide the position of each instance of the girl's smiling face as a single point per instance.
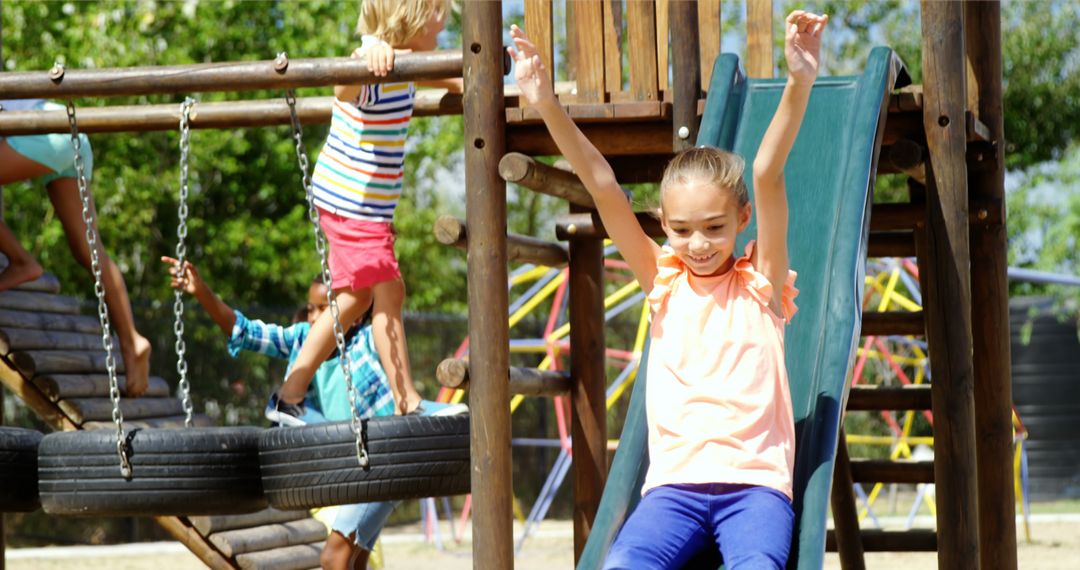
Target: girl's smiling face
(701, 221)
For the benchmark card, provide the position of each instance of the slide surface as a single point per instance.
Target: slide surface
(830, 176)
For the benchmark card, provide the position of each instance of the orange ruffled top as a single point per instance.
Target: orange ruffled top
(717, 400)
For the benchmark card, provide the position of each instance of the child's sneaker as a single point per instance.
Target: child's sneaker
(284, 413)
(429, 408)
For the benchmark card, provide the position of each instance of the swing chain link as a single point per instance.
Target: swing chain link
(320, 246)
(99, 290)
(181, 254)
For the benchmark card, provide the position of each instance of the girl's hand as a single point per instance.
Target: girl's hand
(379, 57)
(802, 45)
(529, 71)
(189, 282)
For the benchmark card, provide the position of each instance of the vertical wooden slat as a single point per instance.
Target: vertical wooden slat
(587, 368)
(759, 38)
(485, 136)
(588, 22)
(538, 26)
(662, 12)
(709, 34)
(685, 76)
(641, 45)
(990, 295)
(845, 510)
(947, 289)
(613, 34)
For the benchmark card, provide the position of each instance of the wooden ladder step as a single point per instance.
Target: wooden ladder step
(55, 322)
(268, 537)
(288, 558)
(889, 323)
(911, 397)
(889, 471)
(38, 302)
(919, 540)
(82, 410)
(170, 422)
(60, 386)
(207, 525)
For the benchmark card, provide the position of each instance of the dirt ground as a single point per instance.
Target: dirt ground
(1055, 546)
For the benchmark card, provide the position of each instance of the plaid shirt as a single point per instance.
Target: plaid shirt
(373, 398)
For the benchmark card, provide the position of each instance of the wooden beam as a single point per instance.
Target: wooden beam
(891, 244)
(685, 76)
(893, 323)
(892, 471)
(454, 373)
(522, 249)
(588, 369)
(48, 411)
(180, 529)
(526, 171)
(845, 510)
(759, 38)
(876, 398)
(945, 266)
(990, 293)
(485, 206)
(891, 540)
(224, 76)
(587, 225)
(652, 137)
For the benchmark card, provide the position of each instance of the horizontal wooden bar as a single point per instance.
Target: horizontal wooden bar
(886, 471)
(891, 244)
(12, 339)
(224, 76)
(588, 225)
(454, 373)
(523, 249)
(920, 540)
(84, 410)
(38, 302)
(908, 216)
(268, 537)
(889, 323)
(49, 321)
(875, 398)
(526, 171)
(59, 386)
(217, 523)
(610, 138)
(33, 362)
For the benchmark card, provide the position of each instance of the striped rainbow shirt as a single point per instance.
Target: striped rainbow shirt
(360, 170)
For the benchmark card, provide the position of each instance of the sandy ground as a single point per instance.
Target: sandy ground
(1055, 546)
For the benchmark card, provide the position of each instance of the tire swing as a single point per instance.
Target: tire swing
(18, 470)
(377, 459)
(190, 471)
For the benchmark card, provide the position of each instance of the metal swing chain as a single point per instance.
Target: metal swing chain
(99, 291)
(320, 247)
(181, 254)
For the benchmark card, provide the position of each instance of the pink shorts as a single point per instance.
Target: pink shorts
(361, 252)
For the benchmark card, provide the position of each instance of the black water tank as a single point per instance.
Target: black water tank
(1046, 391)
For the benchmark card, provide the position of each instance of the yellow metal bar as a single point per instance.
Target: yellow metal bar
(537, 299)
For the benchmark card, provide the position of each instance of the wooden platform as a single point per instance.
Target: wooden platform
(51, 357)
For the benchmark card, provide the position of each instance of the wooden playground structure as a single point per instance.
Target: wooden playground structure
(946, 136)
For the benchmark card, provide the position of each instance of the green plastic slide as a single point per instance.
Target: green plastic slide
(830, 176)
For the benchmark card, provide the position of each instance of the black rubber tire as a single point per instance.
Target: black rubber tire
(410, 457)
(18, 470)
(193, 471)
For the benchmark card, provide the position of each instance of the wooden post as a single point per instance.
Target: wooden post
(686, 75)
(759, 34)
(485, 200)
(990, 302)
(946, 284)
(588, 367)
(845, 511)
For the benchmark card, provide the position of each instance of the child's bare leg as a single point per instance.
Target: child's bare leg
(64, 194)
(389, 332)
(320, 343)
(339, 550)
(22, 266)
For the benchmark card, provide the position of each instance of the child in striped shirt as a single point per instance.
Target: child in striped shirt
(356, 185)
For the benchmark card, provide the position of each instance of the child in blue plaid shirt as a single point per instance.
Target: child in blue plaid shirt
(356, 527)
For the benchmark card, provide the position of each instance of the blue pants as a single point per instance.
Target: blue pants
(677, 525)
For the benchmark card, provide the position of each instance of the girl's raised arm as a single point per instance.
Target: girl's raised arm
(639, 251)
(802, 48)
